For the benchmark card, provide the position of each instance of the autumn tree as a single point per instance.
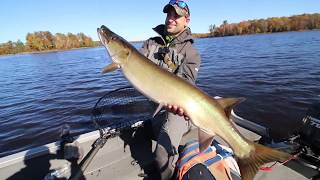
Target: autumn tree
(72, 41)
(270, 25)
(60, 41)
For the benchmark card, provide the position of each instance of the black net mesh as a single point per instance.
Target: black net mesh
(122, 108)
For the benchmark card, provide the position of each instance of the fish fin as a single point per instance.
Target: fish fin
(157, 110)
(228, 104)
(111, 67)
(205, 139)
(249, 166)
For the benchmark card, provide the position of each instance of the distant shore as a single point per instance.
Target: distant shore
(208, 35)
(195, 35)
(57, 50)
(45, 41)
(45, 51)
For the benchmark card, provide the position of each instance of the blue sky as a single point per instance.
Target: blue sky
(132, 19)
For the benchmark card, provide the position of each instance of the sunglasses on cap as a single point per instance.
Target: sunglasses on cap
(181, 4)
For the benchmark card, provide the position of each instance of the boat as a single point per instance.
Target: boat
(106, 154)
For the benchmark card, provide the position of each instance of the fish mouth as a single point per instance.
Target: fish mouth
(104, 34)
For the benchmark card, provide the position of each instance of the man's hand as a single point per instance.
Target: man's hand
(177, 110)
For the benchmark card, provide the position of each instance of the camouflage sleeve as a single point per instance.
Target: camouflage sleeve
(190, 67)
(145, 48)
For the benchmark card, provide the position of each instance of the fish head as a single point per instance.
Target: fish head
(117, 47)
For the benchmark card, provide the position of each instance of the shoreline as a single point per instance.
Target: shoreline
(206, 35)
(57, 50)
(46, 51)
(195, 36)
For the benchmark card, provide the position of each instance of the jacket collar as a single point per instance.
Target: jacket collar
(181, 38)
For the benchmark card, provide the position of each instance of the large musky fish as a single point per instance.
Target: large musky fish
(210, 115)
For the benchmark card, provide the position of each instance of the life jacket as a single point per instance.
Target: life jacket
(212, 158)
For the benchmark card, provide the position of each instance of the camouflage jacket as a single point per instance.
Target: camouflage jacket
(178, 57)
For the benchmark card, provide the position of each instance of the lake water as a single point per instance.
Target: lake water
(279, 74)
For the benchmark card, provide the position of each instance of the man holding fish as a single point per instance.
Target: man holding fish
(172, 85)
(173, 51)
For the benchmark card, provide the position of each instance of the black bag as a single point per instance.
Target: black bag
(310, 131)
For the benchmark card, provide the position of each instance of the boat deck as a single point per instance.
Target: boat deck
(114, 161)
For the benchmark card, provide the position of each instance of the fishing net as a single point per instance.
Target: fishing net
(120, 109)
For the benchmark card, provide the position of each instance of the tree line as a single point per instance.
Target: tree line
(270, 25)
(46, 41)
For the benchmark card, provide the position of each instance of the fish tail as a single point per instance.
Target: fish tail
(249, 166)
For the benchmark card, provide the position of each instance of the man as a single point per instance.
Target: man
(173, 51)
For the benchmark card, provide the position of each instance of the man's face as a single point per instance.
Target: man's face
(175, 23)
